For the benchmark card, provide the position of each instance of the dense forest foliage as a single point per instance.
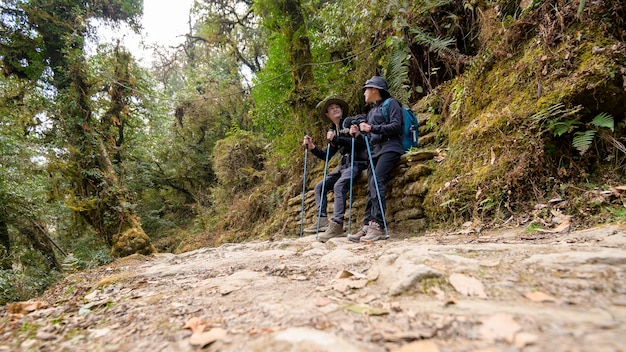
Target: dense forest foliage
(101, 157)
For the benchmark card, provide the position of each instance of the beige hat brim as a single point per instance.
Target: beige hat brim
(328, 102)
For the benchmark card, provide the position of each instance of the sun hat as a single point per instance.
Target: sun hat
(376, 82)
(324, 104)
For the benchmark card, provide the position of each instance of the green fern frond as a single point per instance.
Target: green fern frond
(435, 44)
(397, 70)
(553, 110)
(560, 128)
(429, 5)
(582, 140)
(604, 120)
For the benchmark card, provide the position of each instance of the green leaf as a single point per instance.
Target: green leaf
(582, 140)
(563, 127)
(581, 6)
(604, 120)
(365, 309)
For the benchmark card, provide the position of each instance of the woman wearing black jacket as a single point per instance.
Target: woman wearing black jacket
(385, 136)
(339, 140)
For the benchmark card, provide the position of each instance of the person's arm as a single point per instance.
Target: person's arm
(308, 143)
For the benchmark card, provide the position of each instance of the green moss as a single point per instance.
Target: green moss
(497, 151)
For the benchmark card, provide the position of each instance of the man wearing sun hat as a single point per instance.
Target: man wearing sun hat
(334, 110)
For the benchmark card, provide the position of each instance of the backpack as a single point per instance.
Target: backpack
(409, 125)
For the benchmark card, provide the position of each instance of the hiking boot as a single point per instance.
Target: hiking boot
(323, 226)
(374, 233)
(357, 236)
(334, 230)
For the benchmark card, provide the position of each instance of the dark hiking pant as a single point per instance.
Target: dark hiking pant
(339, 182)
(383, 164)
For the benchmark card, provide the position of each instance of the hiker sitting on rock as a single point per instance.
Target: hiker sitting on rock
(333, 110)
(385, 137)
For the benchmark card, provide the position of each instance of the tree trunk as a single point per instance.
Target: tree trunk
(41, 242)
(101, 198)
(300, 57)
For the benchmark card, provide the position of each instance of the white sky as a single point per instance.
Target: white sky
(164, 23)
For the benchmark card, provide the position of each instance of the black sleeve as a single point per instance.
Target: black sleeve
(394, 125)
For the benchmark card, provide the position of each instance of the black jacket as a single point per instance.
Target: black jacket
(342, 144)
(386, 136)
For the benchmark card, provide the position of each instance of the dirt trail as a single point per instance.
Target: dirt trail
(504, 291)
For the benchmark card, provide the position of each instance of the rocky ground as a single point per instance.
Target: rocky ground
(502, 291)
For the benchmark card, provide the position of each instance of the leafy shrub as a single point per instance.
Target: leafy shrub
(238, 159)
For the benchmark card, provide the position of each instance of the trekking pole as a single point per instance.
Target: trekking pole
(306, 155)
(322, 195)
(380, 202)
(351, 177)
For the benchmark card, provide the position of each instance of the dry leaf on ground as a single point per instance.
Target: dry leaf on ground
(467, 286)
(499, 327)
(204, 338)
(539, 297)
(195, 324)
(25, 307)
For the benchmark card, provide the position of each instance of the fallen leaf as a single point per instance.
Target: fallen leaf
(539, 297)
(321, 302)
(195, 324)
(342, 285)
(224, 290)
(499, 327)
(564, 227)
(493, 157)
(524, 339)
(204, 338)
(263, 330)
(450, 301)
(365, 309)
(413, 335)
(467, 286)
(344, 274)
(25, 307)
(419, 346)
(86, 309)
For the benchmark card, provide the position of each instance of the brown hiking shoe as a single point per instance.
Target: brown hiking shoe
(334, 230)
(323, 226)
(357, 236)
(374, 233)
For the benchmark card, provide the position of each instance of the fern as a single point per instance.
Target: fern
(397, 71)
(560, 128)
(429, 5)
(435, 44)
(556, 119)
(582, 140)
(70, 263)
(604, 120)
(548, 112)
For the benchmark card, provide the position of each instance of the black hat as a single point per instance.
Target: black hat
(376, 82)
(324, 104)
